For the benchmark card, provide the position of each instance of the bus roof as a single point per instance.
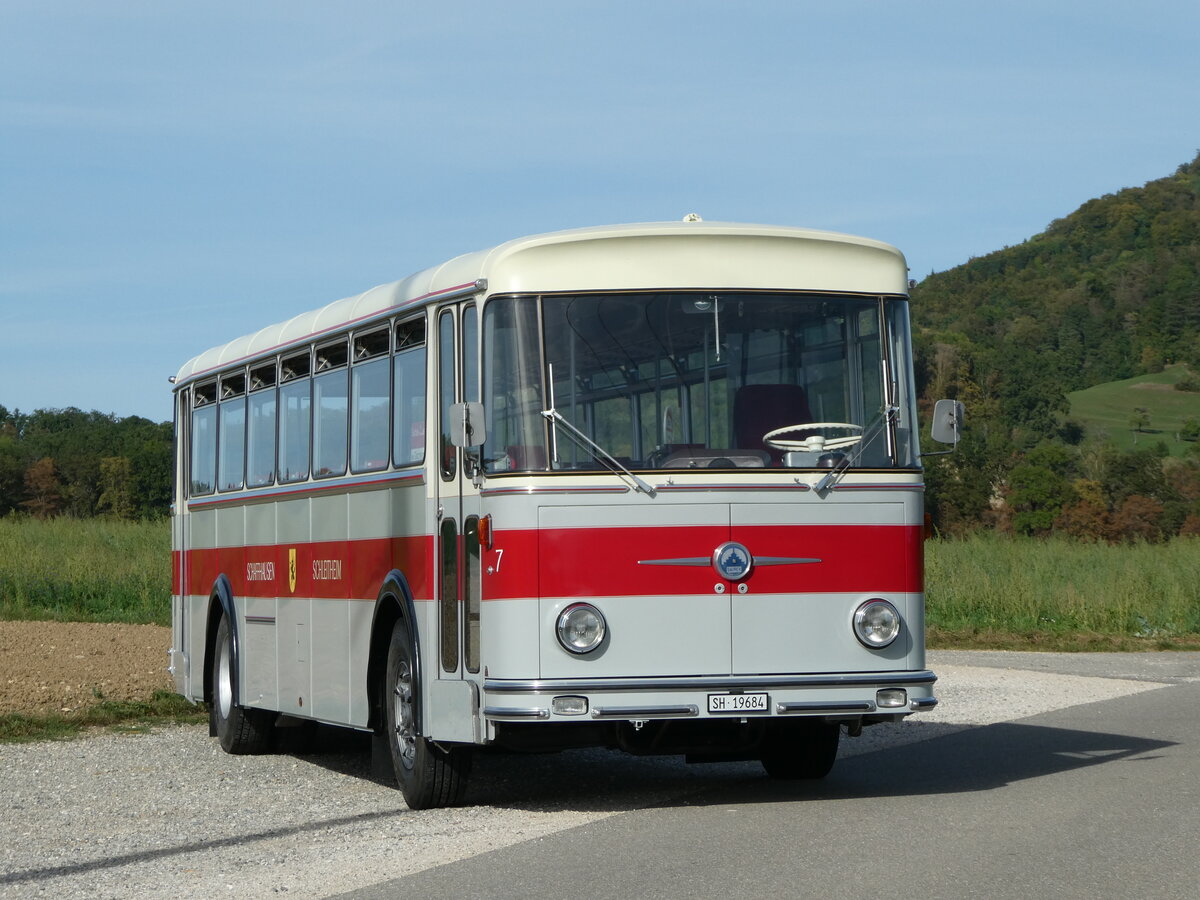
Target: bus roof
(663, 255)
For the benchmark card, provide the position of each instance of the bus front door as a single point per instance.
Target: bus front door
(453, 710)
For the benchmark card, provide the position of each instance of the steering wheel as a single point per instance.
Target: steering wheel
(814, 442)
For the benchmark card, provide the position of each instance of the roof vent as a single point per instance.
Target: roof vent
(692, 217)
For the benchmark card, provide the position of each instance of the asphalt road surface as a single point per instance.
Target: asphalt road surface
(1091, 799)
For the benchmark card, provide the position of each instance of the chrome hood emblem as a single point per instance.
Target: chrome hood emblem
(732, 561)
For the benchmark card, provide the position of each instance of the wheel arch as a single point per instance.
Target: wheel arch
(394, 602)
(220, 603)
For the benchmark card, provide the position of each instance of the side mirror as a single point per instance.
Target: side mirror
(947, 421)
(466, 425)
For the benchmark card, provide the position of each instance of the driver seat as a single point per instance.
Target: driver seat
(759, 408)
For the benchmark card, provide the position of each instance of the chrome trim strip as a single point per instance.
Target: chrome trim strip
(711, 683)
(515, 713)
(923, 703)
(479, 285)
(260, 620)
(879, 487)
(826, 708)
(707, 561)
(671, 486)
(522, 491)
(644, 712)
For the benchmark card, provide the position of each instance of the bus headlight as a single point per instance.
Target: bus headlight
(876, 623)
(581, 628)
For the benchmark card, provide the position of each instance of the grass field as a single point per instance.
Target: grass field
(85, 570)
(1105, 410)
(1057, 594)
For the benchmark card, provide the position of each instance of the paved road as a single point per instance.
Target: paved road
(1099, 798)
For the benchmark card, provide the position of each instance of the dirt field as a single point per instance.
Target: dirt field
(63, 666)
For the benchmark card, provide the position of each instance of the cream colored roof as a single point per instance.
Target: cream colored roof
(667, 255)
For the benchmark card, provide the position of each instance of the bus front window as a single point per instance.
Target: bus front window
(686, 380)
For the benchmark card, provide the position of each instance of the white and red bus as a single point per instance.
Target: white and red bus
(652, 487)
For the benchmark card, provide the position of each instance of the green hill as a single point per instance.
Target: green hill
(1087, 322)
(1107, 411)
(1108, 292)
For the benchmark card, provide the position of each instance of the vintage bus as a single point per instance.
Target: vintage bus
(651, 487)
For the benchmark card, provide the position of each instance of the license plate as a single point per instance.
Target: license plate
(737, 703)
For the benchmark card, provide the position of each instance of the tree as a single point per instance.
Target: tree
(1139, 518)
(43, 488)
(116, 488)
(1135, 472)
(12, 472)
(1085, 519)
(77, 442)
(1139, 420)
(1037, 495)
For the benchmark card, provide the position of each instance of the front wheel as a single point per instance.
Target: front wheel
(429, 776)
(239, 730)
(801, 750)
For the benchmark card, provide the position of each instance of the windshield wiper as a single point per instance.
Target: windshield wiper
(598, 452)
(875, 428)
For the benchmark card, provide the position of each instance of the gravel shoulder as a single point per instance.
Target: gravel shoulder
(169, 814)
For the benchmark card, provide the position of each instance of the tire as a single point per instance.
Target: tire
(801, 750)
(428, 775)
(238, 729)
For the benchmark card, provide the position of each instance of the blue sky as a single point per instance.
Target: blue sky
(174, 175)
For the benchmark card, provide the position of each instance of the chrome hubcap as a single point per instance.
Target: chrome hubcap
(224, 681)
(402, 715)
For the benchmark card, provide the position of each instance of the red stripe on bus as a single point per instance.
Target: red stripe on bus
(578, 562)
(599, 562)
(334, 570)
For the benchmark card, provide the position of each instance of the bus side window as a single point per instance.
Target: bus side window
(231, 460)
(448, 595)
(512, 387)
(295, 402)
(370, 403)
(260, 430)
(330, 403)
(446, 368)
(473, 590)
(408, 434)
(203, 475)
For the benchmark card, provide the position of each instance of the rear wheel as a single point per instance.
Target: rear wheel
(238, 729)
(428, 775)
(801, 749)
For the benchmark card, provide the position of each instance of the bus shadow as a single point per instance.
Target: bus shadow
(918, 758)
(953, 760)
(980, 758)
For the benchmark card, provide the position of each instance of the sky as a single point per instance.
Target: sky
(175, 175)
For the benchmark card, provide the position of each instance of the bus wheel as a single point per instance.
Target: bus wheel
(428, 775)
(801, 750)
(239, 730)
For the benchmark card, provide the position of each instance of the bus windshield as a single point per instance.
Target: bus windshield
(686, 380)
